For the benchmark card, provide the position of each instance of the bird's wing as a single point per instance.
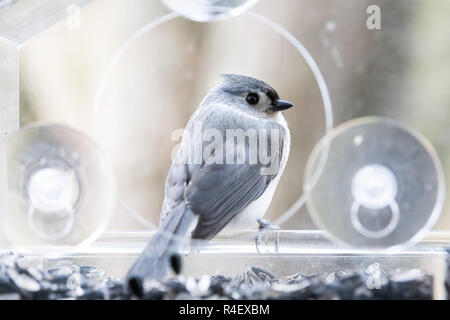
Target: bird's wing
(218, 192)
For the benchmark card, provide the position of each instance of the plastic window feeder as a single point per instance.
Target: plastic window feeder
(300, 251)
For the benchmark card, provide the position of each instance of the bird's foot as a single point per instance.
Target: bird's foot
(195, 245)
(265, 225)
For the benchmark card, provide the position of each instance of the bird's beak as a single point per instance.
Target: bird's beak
(281, 105)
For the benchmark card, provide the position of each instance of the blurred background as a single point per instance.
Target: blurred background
(400, 71)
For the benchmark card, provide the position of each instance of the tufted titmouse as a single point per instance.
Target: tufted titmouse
(231, 158)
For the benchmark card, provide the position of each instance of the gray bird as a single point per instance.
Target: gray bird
(214, 183)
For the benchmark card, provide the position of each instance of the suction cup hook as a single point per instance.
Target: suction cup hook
(57, 188)
(382, 185)
(209, 10)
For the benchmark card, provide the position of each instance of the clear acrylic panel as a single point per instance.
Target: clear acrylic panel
(52, 63)
(397, 71)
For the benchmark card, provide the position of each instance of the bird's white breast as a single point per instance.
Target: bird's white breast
(247, 219)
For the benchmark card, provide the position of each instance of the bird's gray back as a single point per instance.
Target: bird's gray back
(217, 119)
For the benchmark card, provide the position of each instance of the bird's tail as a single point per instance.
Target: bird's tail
(153, 263)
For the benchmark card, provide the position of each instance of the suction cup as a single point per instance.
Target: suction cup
(382, 185)
(57, 188)
(209, 10)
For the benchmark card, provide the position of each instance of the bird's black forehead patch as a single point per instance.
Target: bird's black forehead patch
(273, 95)
(238, 84)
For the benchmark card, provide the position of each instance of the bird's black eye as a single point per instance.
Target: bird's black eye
(252, 98)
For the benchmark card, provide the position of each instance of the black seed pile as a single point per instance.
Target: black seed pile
(25, 278)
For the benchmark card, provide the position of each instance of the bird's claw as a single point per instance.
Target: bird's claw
(195, 246)
(265, 225)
